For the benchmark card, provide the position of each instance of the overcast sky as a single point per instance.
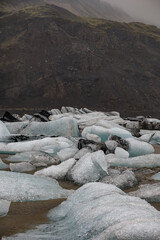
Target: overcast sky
(147, 10)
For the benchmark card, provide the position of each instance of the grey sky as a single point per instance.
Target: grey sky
(145, 10)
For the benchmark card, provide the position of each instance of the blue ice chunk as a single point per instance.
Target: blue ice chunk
(21, 187)
(138, 148)
(3, 130)
(156, 176)
(104, 133)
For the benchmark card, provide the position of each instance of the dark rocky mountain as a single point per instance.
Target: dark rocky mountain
(87, 8)
(50, 57)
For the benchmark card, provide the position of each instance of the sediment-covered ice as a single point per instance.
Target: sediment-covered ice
(104, 133)
(21, 187)
(21, 167)
(3, 130)
(36, 145)
(3, 165)
(148, 161)
(99, 211)
(138, 148)
(124, 180)
(4, 207)
(42, 160)
(149, 192)
(58, 171)
(90, 168)
(21, 157)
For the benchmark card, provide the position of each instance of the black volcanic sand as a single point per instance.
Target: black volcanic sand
(26, 215)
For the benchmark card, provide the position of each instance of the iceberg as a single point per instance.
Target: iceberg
(90, 168)
(98, 211)
(21, 187)
(4, 207)
(104, 133)
(138, 148)
(149, 192)
(36, 145)
(3, 130)
(58, 171)
(148, 161)
(3, 165)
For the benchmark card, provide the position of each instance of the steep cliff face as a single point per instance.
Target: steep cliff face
(49, 58)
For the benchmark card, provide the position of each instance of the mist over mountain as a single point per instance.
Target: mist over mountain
(147, 11)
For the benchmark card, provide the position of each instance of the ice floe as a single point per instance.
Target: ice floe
(21, 187)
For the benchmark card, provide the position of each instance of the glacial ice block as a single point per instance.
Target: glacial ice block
(149, 192)
(148, 161)
(138, 148)
(90, 168)
(36, 145)
(66, 126)
(21, 187)
(104, 133)
(3, 130)
(21, 167)
(4, 207)
(21, 157)
(124, 180)
(58, 171)
(3, 165)
(121, 153)
(98, 211)
(153, 137)
(67, 153)
(156, 176)
(16, 127)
